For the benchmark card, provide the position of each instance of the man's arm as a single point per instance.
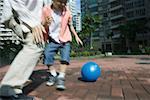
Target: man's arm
(25, 14)
(30, 12)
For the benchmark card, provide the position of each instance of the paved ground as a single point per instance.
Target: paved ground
(122, 78)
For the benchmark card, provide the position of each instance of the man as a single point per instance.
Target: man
(29, 14)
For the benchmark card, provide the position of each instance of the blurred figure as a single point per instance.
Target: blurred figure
(24, 16)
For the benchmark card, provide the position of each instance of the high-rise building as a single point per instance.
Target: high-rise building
(5, 33)
(72, 6)
(46, 2)
(117, 18)
(8, 42)
(1, 8)
(115, 13)
(98, 8)
(103, 11)
(122, 11)
(78, 22)
(137, 9)
(75, 14)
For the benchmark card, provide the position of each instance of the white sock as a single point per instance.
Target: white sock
(61, 75)
(53, 72)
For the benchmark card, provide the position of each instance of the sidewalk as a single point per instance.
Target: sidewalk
(123, 78)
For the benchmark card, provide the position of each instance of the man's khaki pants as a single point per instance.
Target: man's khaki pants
(23, 64)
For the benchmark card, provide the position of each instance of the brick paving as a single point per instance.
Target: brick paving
(122, 78)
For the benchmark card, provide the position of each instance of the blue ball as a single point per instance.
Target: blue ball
(90, 71)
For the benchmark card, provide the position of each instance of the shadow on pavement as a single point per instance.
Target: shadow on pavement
(145, 58)
(37, 78)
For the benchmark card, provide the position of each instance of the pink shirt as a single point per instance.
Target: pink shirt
(65, 34)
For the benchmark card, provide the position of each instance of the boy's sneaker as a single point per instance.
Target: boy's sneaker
(51, 80)
(60, 83)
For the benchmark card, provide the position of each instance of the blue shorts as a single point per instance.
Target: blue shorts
(52, 48)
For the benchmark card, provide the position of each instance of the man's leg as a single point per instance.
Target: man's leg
(23, 65)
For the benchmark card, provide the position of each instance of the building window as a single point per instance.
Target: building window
(139, 3)
(129, 5)
(130, 14)
(94, 9)
(116, 12)
(92, 1)
(105, 14)
(116, 3)
(140, 12)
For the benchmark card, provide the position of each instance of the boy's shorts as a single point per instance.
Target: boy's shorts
(52, 48)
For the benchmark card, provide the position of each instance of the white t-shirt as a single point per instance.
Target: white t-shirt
(55, 26)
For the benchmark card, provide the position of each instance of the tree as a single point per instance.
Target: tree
(130, 29)
(89, 25)
(127, 33)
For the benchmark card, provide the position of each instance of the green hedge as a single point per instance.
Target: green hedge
(147, 49)
(84, 53)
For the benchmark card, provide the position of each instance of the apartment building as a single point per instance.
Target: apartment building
(115, 13)
(1, 8)
(76, 13)
(105, 30)
(78, 22)
(99, 8)
(5, 33)
(139, 10)
(117, 17)
(72, 6)
(9, 42)
(122, 11)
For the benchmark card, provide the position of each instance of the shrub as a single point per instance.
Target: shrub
(147, 49)
(73, 54)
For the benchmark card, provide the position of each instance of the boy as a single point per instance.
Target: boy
(58, 18)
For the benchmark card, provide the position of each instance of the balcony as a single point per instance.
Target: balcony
(115, 8)
(1, 3)
(112, 1)
(116, 17)
(7, 34)
(93, 5)
(114, 26)
(136, 17)
(3, 30)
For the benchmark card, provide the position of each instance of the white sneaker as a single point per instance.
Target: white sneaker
(51, 81)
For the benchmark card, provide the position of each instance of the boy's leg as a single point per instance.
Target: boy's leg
(62, 71)
(52, 75)
(52, 70)
(60, 82)
(65, 58)
(49, 54)
(22, 66)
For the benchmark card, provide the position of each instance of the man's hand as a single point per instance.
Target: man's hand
(78, 40)
(48, 20)
(37, 32)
